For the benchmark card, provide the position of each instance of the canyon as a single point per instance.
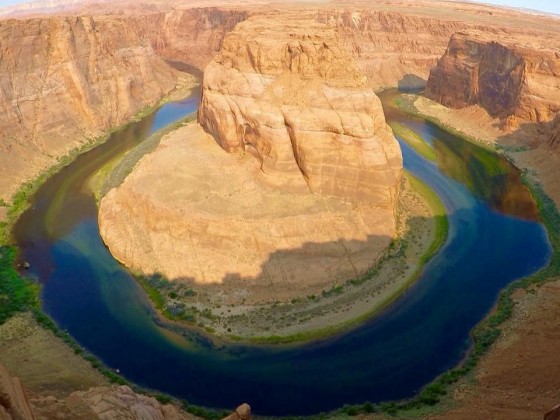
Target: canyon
(290, 182)
(66, 81)
(53, 102)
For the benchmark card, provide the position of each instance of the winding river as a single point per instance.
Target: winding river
(494, 238)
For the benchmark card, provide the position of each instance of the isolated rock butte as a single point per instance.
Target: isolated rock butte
(511, 76)
(285, 91)
(295, 192)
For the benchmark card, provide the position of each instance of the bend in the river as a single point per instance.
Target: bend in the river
(493, 240)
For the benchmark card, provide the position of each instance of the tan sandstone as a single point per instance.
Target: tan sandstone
(299, 196)
(511, 76)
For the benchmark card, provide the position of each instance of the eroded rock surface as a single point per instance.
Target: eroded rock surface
(512, 77)
(287, 92)
(296, 190)
(65, 80)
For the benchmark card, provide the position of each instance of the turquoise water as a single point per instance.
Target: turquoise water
(494, 238)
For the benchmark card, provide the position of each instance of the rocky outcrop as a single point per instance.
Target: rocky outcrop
(243, 412)
(14, 404)
(288, 93)
(510, 76)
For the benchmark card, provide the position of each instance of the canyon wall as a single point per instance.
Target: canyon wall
(388, 45)
(289, 94)
(191, 36)
(510, 76)
(64, 81)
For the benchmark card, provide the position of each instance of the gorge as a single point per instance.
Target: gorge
(275, 134)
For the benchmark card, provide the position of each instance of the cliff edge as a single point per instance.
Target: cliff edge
(513, 77)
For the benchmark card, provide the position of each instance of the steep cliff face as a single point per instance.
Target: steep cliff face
(388, 45)
(288, 93)
(65, 80)
(508, 76)
(191, 36)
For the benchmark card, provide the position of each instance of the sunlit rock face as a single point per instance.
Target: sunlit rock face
(288, 93)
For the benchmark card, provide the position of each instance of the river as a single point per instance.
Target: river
(494, 238)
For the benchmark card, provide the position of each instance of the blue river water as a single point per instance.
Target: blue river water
(494, 238)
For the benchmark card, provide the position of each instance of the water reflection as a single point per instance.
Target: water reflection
(488, 176)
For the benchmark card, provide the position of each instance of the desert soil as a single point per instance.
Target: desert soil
(44, 363)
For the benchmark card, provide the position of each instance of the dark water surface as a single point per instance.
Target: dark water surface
(493, 240)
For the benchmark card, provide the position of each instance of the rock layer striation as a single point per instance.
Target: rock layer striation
(288, 93)
(512, 77)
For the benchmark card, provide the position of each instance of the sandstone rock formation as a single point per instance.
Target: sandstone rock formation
(191, 36)
(192, 211)
(298, 196)
(287, 92)
(14, 404)
(509, 76)
(109, 403)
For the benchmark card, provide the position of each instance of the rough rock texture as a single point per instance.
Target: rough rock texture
(287, 92)
(388, 45)
(107, 403)
(66, 80)
(509, 76)
(209, 219)
(191, 36)
(63, 81)
(13, 400)
(243, 412)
